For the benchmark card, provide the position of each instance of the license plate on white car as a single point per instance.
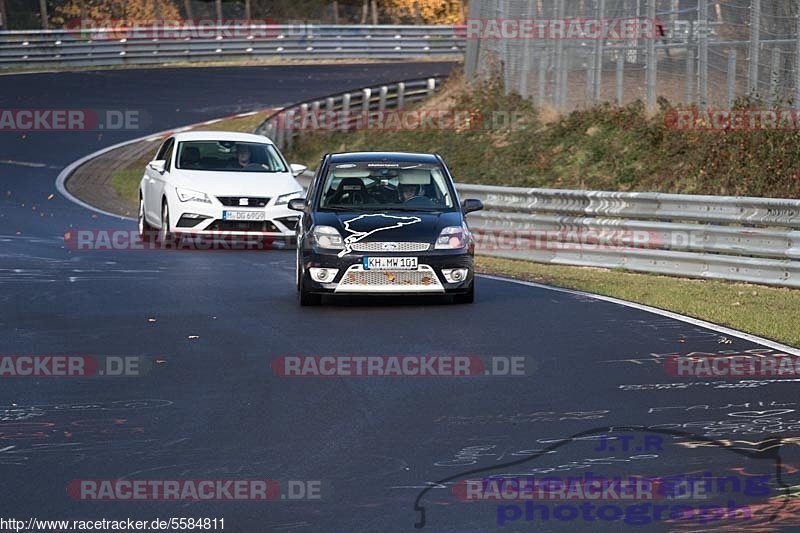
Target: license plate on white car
(390, 263)
(248, 216)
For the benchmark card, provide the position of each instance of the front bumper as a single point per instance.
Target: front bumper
(205, 219)
(352, 278)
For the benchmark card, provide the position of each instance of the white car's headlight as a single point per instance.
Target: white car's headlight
(188, 195)
(328, 237)
(283, 199)
(452, 238)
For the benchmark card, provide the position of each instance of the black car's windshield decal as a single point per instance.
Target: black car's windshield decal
(391, 221)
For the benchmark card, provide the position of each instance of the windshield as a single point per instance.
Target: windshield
(404, 186)
(229, 156)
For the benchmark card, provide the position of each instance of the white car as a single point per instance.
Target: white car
(219, 183)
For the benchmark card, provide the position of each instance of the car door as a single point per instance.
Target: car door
(154, 186)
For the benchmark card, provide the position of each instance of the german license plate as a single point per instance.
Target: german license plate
(247, 216)
(390, 263)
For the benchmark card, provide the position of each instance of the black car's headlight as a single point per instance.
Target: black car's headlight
(327, 237)
(452, 238)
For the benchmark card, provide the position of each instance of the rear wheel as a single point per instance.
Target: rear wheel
(467, 297)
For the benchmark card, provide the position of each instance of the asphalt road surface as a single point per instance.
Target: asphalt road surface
(375, 450)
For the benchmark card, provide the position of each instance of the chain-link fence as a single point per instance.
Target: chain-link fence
(576, 53)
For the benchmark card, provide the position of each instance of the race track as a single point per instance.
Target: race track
(212, 408)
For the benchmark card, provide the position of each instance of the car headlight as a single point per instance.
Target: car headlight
(452, 238)
(284, 198)
(328, 238)
(188, 195)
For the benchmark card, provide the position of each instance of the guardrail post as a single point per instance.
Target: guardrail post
(702, 53)
(315, 111)
(431, 86)
(280, 131)
(367, 96)
(382, 97)
(401, 95)
(290, 130)
(345, 111)
(620, 78)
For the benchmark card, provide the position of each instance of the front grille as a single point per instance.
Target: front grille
(233, 201)
(356, 279)
(237, 225)
(378, 246)
(289, 222)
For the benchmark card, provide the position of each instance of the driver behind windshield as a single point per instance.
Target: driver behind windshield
(407, 191)
(243, 156)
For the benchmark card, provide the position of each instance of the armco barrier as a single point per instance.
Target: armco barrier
(352, 105)
(754, 240)
(98, 48)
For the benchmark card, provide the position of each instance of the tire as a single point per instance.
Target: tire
(309, 299)
(145, 229)
(467, 297)
(164, 235)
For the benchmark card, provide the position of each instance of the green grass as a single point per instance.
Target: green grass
(769, 312)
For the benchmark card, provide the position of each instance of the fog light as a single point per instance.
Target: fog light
(455, 275)
(323, 275)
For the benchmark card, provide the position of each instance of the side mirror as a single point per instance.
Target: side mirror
(159, 165)
(297, 169)
(471, 205)
(297, 204)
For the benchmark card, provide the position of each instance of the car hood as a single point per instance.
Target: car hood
(390, 225)
(237, 183)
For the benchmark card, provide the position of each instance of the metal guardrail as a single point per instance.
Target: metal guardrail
(753, 240)
(350, 107)
(107, 48)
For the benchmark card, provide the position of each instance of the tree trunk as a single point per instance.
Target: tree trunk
(219, 11)
(83, 11)
(364, 11)
(43, 13)
(375, 12)
(247, 10)
(3, 16)
(335, 12)
(187, 6)
(156, 10)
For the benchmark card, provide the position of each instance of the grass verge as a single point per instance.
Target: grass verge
(770, 312)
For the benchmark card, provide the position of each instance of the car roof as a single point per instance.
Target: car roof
(354, 157)
(221, 136)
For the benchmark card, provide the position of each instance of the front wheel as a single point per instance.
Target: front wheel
(467, 297)
(164, 235)
(145, 229)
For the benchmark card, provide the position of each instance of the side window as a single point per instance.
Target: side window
(168, 154)
(164, 147)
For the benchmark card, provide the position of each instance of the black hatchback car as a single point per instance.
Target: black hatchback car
(377, 223)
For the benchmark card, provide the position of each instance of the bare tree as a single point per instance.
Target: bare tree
(335, 12)
(247, 12)
(43, 13)
(3, 16)
(187, 6)
(219, 10)
(364, 11)
(375, 12)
